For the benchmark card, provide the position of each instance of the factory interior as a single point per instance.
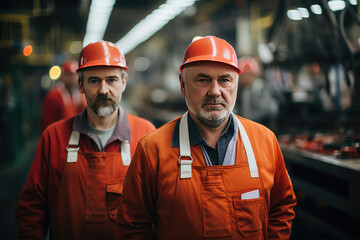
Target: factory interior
(308, 53)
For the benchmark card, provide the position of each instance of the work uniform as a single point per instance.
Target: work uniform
(250, 198)
(72, 187)
(60, 104)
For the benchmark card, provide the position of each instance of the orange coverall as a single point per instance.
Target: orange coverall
(77, 200)
(158, 204)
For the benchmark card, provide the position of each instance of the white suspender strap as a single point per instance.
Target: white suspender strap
(185, 152)
(184, 137)
(73, 147)
(125, 153)
(185, 165)
(249, 151)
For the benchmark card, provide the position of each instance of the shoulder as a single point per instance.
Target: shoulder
(136, 119)
(162, 134)
(138, 122)
(256, 129)
(60, 129)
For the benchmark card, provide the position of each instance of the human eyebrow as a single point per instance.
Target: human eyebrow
(93, 78)
(225, 76)
(113, 76)
(203, 75)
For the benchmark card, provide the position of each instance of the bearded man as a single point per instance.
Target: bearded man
(76, 179)
(208, 174)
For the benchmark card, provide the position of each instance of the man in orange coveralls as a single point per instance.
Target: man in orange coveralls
(208, 174)
(76, 180)
(64, 100)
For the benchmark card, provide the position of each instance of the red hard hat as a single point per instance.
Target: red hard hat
(212, 49)
(101, 53)
(69, 66)
(249, 65)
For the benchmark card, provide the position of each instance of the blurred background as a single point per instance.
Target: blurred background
(301, 79)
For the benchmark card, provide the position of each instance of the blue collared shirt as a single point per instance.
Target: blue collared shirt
(216, 155)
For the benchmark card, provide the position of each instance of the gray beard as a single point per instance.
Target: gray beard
(104, 111)
(212, 121)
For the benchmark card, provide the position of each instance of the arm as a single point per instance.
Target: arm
(32, 213)
(137, 209)
(282, 200)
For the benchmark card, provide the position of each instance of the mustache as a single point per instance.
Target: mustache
(102, 97)
(213, 100)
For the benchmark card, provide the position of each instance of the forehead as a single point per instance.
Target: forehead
(210, 68)
(102, 72)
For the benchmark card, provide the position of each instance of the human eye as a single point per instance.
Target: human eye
(224, 80)
(93, 82)
(202, 81)
(111, 80)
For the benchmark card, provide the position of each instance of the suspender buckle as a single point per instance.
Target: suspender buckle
(185, 166)
(125, 153)
(72, 153)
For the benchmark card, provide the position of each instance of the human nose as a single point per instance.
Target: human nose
(103, 88)
(214, 89)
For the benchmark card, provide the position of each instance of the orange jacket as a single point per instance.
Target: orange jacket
(210, 204)
(58, 104)
(56, 193)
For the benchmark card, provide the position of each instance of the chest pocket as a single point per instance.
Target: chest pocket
(104, 185)
(104, 178)
(215, 207)
(249, 214)
(114, 192)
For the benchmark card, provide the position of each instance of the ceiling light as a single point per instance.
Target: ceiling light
(353, 2)
(100, 11)
(336, 5)
(294, 14)
(304, 12)
(316, 9)
(153, 23)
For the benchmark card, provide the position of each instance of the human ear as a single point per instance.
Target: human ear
(182, 84)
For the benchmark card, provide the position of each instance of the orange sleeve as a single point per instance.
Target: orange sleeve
(136, 213)
(282, 200)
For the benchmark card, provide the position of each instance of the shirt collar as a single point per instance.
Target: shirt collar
(122, 130)
(194, 134)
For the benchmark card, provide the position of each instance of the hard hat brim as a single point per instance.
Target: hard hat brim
(209, 59)
(99, 64)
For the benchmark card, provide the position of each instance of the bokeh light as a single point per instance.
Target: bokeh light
(27, 50)
(55, 72)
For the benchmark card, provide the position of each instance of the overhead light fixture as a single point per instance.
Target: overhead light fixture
(153, 23)
(294, 14)
(99, 14)
(353, 2)
(316, 9)
(336, 5)
(304, 12)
